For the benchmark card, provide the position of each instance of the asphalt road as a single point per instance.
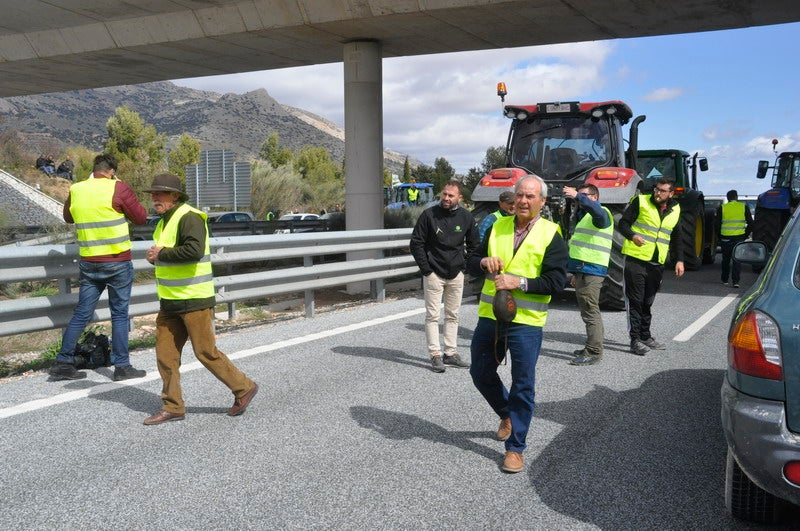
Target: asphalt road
(351, 430)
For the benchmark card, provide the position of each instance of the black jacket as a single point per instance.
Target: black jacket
(442, 239)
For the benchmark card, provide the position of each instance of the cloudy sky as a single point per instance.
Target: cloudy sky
(724, 94)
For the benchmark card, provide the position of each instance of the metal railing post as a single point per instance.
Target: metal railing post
(308, 295)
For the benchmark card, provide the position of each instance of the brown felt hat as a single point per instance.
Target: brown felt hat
(167, 182)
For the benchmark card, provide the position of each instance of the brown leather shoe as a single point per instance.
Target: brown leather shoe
(513, 462)
(504, 430)
(240, 404)
(163, 416)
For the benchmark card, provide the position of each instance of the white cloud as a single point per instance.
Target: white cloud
(441, 105)
(663, 94)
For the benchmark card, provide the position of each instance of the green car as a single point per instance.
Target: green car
(761, 389)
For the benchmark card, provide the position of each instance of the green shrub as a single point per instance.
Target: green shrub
(400, 218)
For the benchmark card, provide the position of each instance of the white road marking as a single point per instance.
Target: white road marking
(704, 319)
(34, 405)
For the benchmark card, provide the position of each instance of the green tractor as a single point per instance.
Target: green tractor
(699, 234)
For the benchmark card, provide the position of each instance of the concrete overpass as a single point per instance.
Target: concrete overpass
(60, 45)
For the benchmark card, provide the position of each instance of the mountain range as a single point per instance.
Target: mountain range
(237, 122)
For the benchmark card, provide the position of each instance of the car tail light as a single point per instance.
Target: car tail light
(791, 471)
(754, 346)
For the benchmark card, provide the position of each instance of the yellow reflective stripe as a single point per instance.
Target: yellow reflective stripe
(177, 282)
(521, 303)
(101, 224)
(205, 259)
(591, 246)
(593, 233)
(651, 228)
(106, 241)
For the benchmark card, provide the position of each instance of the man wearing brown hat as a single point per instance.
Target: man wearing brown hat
(185, 284)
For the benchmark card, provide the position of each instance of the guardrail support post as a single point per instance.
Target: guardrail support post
(377, 289)
(308, 295)
(64, 285)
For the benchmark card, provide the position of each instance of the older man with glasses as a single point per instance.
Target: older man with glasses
(652, 231)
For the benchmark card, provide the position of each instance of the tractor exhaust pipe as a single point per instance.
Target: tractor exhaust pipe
(633, 141)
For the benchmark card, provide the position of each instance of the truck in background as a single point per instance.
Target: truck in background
(568, 144)
(775, 206)
(697, 218)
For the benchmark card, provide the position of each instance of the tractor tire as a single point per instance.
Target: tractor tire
(612, 294)
(768, 225)
(693, 234)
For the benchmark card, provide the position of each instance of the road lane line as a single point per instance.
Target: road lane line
(695, 327)
(70, 396)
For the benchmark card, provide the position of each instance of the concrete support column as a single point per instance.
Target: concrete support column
(363, 148)
(363, 126)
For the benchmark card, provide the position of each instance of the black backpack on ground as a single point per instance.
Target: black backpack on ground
(93, 351)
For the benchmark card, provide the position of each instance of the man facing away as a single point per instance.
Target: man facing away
(589, 254)
(524, 253)
(505, 207)
(442, 238)
(652, 231)
(733, 224)
(185, 285)
(101, 207)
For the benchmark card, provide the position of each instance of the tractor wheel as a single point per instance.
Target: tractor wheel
(768, 225)
(692, 232)
(612, 294)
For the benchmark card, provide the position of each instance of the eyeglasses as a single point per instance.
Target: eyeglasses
(663, 191)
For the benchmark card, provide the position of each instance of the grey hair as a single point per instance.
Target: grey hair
(542, 184)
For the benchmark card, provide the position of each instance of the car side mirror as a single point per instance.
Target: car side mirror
(763, 166)
(703, 164)
(751, 253)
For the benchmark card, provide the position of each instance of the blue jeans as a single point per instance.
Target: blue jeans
(94, 278)
(524, 344)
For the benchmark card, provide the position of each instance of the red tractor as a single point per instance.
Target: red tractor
(568, 144)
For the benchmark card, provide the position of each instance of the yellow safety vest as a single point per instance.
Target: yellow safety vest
(413, 193)
(590, 244)
(733, 220)
(526, 262)
(655, 231)
(184, 280)
(101, 229)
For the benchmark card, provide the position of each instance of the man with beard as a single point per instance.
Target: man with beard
(443, 237)
(652, 231)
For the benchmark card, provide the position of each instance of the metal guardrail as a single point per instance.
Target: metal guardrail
(368, 253)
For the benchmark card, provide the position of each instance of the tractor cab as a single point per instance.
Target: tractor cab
(403, 195)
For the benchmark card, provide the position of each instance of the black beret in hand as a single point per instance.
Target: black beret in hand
(504, 306)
